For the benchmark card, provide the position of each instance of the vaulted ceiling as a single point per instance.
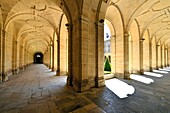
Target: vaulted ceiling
(152, 16)
(35, 21)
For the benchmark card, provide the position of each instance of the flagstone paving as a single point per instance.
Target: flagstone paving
(38, 90)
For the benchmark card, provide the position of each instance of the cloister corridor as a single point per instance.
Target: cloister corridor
(84, 56)
(37, 90)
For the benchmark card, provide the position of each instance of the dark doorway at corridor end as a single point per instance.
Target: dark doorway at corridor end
(38, 58)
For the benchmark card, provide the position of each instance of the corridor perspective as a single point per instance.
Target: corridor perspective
(112, 56)
(37, 90)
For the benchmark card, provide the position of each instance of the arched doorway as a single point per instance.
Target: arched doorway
(38, 58)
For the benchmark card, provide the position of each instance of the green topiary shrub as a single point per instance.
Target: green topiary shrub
(107, 66)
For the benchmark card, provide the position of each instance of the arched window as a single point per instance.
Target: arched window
(109, 58)
(104, 58)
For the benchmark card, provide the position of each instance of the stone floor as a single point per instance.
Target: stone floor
(37, 90)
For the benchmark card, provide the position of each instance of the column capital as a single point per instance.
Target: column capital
(142, 39)
(113, 36)
(150, 44)
(126, 34)
(16, 41)
(68, 25)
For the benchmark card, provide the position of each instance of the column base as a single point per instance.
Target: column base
(4, 77)
(57, 73)
(100, 81)
(150, 69)
(157, 68)
(69, 81)
(21, 68)
(81, 86)
(127, 75)
(52, 69)
(141, 72)
(119, 75)
(0, 78)
(15, 71)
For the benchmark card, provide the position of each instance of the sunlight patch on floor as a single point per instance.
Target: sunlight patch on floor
(141, 79)
(158, 71)
(165, 69)
(153, 74)
(120, 88)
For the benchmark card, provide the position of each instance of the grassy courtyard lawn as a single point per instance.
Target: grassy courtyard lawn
(107, 72)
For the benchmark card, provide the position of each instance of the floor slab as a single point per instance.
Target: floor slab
(38, 90)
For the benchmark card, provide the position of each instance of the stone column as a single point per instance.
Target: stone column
(157, 46)
(113, 54)
(165, 57)
(4, 74)
(58, 55)
(126, 56)
(25, 58)
(70, 54)
(21, 58)
(80, 54)
(1, 36)
(150, 57)
(141, 55)
(99, 54)
(15, 61)
(52, 47)
(161, 52)
(50, 59)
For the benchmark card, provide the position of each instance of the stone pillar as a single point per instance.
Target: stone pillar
(150, 57)
(52, 47)
(4, 74)
(21, 64)
(50, 52)
(1, 36)
(70, 55)
(165, 57)
(99, 55)
(15, 59)
(48, 57)
(157, 67)
(80, 54)
(25, 58)
(58, 55)
(141, 56)
(161, 52)
(113, 54)
(82, 80)
(126, 56)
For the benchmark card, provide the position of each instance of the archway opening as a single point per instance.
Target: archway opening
(38, 58)
(107, 49)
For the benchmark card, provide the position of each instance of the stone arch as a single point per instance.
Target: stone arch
(16, 33)
(135, 48)
(38, 58)
(112, 45)
(117, 23)
(63, 46)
